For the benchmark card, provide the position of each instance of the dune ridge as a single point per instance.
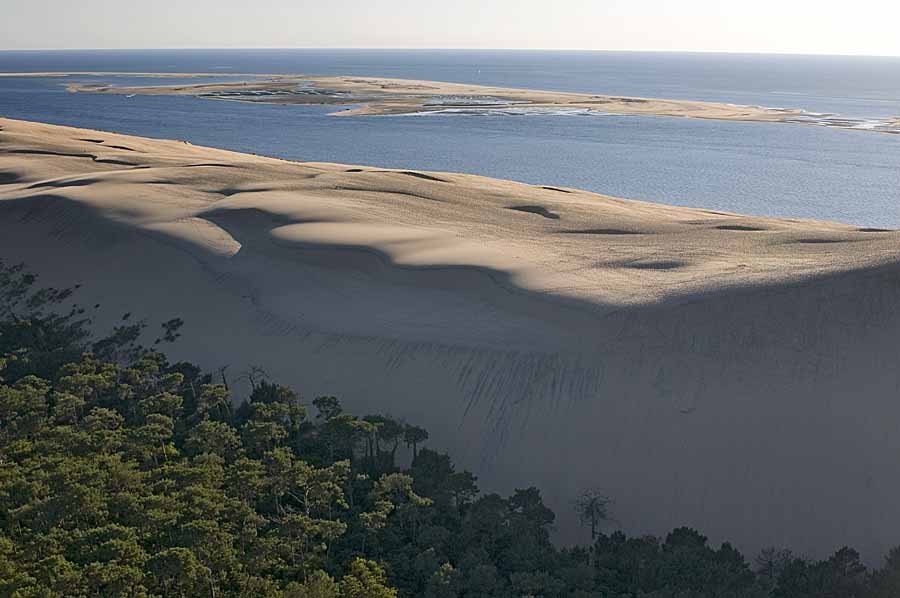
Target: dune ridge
(729, 372)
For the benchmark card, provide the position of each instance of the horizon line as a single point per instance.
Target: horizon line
(447, 49)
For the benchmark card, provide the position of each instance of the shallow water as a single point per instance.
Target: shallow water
(765, 169)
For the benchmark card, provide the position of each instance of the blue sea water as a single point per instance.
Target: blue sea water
(765, 169)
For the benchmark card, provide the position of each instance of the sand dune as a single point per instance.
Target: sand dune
(733, 373)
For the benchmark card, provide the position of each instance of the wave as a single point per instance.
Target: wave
(825, 119)
(514, 111)
(471, 101)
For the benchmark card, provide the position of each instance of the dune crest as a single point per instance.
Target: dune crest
(709, 369)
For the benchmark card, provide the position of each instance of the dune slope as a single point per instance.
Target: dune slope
(732, 373)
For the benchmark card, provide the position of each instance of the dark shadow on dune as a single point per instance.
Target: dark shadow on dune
(820, 241)
(239, 220)
(229, 191)
(64, 183)
(539, 210)
(30, 152)
(8, 177)
(387, 191)
(354, 170)
(116, 162)
(251, 227)
(210, 165)
(660, 265)
(67, 221)
(34, 152)
(73, 222)
(122, 147)
(420, 175)
(243, 224)
(601, 231)
(90, 140)
(556, 189)
(874, 230)
(740, 228)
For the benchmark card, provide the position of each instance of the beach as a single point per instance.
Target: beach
(379, 96)
(383, 96)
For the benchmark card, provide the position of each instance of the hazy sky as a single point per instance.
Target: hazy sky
(805, 26)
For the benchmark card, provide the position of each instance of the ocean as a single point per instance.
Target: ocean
(788, 170)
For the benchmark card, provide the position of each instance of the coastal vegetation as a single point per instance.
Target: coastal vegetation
(125, 474)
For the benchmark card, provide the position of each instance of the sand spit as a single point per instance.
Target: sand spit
(383, 96)
(733, 373)
(223, 74)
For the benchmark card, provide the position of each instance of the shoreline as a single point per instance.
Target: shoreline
(149, 75)
(386, 96)
(380, 96)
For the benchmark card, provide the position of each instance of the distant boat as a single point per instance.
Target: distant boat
(131, 95)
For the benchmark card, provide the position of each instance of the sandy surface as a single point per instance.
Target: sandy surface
(383, 96)
(729, 372)
(135, 74)
(402, 96)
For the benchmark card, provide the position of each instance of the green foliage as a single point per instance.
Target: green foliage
(124, 475)
(366, 579)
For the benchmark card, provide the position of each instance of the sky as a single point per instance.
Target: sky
(867, 27)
